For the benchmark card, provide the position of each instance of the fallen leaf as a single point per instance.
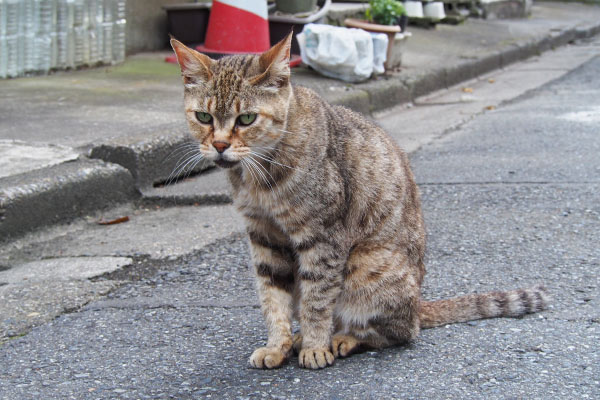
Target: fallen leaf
(467, 90)
(491, 80)
(490, 108)
(114, 221)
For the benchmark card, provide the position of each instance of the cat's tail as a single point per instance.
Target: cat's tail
(514, 303)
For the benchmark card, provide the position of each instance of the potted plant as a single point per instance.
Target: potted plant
(387, 12)
(384, 16)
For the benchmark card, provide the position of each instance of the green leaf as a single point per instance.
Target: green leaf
(384, 12)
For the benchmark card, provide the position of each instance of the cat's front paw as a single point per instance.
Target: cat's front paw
(315, 358)
(267, 357)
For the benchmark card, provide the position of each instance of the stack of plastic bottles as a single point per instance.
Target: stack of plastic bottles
(37, 36)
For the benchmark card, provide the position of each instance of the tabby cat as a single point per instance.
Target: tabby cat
(332, 210)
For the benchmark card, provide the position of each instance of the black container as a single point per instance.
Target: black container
(402, 21)
(280, 26)
(187, 22)
(279, 30)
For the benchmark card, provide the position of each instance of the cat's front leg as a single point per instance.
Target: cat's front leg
(320, 280)
(273, 264)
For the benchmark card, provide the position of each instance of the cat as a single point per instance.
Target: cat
(332, 210)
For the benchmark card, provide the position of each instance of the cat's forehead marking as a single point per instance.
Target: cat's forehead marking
(228, 79)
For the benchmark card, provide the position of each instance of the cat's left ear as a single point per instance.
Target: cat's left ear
(195, 67)
(275, 64)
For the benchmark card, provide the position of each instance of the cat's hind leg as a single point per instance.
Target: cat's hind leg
(344, 345)
(357, 339)
(379, 303)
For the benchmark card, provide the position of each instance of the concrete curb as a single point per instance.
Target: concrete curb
(210, 188)
(376, 95)
(152, 157)
(60, 193)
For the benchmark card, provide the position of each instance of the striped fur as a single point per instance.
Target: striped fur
(515, 303)
(332, 210)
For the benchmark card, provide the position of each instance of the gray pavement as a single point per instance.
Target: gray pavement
(510, 199)
(131, 114)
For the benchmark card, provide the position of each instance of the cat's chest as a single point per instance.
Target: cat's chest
(274, 205)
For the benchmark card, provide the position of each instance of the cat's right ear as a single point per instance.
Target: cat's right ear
(195, 67)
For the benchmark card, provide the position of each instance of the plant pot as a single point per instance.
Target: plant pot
(414, 9)
(295, 6)
(187, 22)
(434, 10)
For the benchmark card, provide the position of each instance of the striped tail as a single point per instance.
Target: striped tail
(514, 303)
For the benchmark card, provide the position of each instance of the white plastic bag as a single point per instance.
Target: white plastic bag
(341, 53)
(380, 43)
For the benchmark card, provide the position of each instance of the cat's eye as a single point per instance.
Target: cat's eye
(246, 119)
(203, 117)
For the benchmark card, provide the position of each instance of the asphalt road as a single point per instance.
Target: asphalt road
(510, 199)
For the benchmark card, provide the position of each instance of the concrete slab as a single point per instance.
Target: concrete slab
(36, 292)
(154, 232)
(47, 273)
(17, 157)
(25, 306)
(63, 268)
(80, 108)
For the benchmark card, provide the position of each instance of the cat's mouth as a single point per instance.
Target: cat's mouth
(225, 164)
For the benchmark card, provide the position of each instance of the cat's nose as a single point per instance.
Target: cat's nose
(221, 146)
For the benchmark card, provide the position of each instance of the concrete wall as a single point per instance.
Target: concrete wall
(147, 25)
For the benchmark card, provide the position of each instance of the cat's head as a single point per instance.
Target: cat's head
(238, 104)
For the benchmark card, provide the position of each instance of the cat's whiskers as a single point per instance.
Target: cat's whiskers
(249, 168)
(197, 160)
(184, 156)
(269, 160)
(257, 167)
(177, 169)
(182, 166)
(273, 152)
(185, 147)
(272, 161)
(183, 170)
(274, 189)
